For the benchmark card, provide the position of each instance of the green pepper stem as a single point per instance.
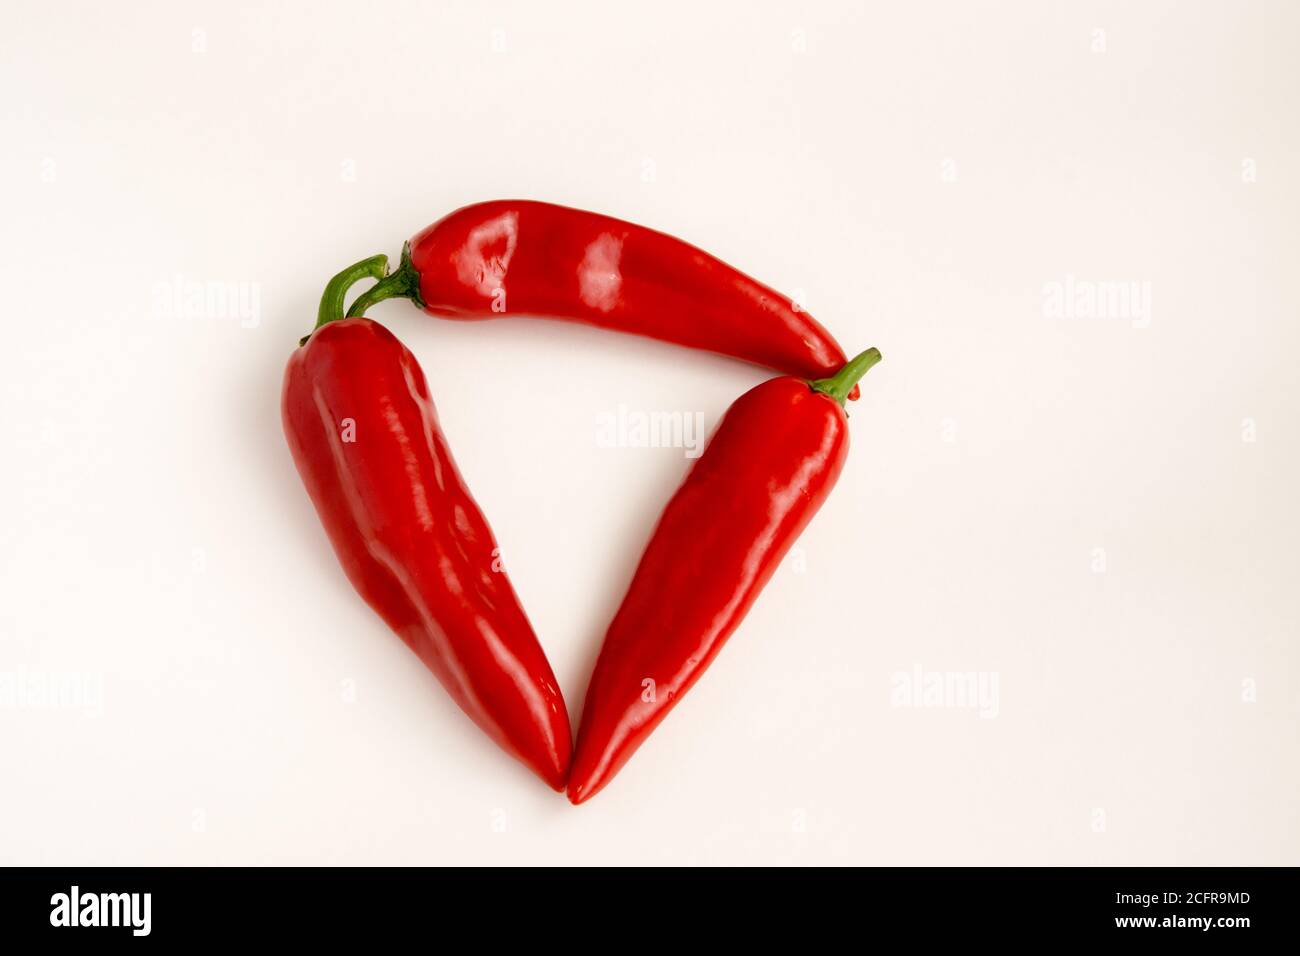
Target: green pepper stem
(841, 383)
(331, 301)
(403, 283)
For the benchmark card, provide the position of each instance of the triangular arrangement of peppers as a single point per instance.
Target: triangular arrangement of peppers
(365, 436)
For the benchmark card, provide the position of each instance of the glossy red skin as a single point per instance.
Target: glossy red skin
(767, 469)
(411, 538)
(565, 263)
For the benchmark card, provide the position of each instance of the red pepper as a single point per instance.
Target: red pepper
(365, 436)
(767, 469)
(535, 258)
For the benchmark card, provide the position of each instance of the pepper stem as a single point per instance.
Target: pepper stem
(841, 383)
(331, 301)
(404, 283)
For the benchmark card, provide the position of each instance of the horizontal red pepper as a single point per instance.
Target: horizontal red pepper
(534, 258)
(767, 469)
(366, 440)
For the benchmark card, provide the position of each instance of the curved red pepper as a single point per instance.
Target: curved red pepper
(535, 258)
(767, 469)
(410, 536)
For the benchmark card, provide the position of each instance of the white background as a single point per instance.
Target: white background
(922, 172)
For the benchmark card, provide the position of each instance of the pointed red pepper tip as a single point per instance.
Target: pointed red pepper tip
(556, 777)
(584, 780)
(551, 760)
(578, 795)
